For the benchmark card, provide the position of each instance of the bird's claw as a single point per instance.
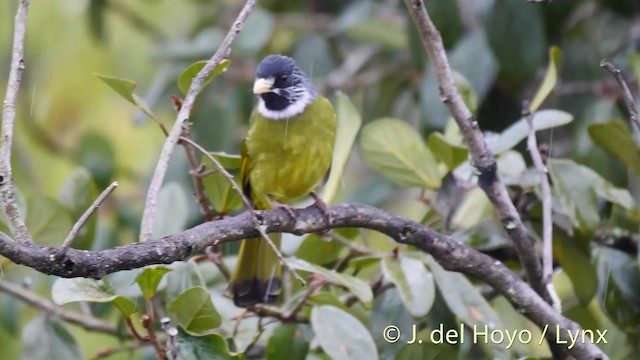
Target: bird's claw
(324, 209)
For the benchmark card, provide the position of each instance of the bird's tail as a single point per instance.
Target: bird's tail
(256, 278)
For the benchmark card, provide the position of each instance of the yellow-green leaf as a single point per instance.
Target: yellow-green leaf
(550, 79)
(397, 151)
(449, 154)
(195, 311)
(124, 87)
(65, 291)
(187, 76)
(358, 287)
(349, 122)
(149, 279)
(616, 138)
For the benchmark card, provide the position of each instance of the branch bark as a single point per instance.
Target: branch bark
(222, 53)
(8, 201)
(626, 92)
(482, 158)
(451, 254)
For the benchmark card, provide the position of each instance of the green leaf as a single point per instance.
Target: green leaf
(341, 335)
(542, 120)
(358, 287)
(318, 250)
(124, 87)
(195, 311)
(173, 210)
(349, 122)
(185, 78)
(577, 189)
(464, 299)
(550, 79)
(397, 151)
(48, 221)
(450, 154)
(287, 342)
(413, 281)
(45, 338)
(150, 278)
(619, 287)
(222, 197)
(616, 138)
(577, 264)
(184, 275)
(207, 347)
(66, 291)
(516, 35)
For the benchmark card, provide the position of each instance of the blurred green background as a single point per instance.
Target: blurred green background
(74, 135)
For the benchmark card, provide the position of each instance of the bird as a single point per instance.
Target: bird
(285, 155)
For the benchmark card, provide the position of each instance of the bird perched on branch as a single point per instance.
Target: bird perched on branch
(285, 155)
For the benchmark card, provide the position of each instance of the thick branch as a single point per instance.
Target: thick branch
(482, 158)
(87, 322)
(10, 209)
(222, 53)
(450, 254)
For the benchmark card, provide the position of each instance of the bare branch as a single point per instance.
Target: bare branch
(626, 93)
(8, 202)
(87, 322)
(83, 219)
(482, 158)
(547, 222)
(452, 255)
(148, 216)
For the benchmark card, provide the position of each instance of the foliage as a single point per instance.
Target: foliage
(397, 148)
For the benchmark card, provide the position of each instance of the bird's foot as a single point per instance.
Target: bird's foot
(324, 209)
(285, 207)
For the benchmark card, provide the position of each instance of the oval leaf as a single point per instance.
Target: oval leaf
(341, 335)
(124, 87)
(358, 287)
(349, 122)
(195, 311)
(544, 119)
(187, 76)
(397, 151)
(208, 347)
(287, 342)
(447, 153)
(413, 281)
(66, 291)
(150, 278)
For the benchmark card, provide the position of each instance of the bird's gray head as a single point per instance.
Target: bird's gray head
(283, 89)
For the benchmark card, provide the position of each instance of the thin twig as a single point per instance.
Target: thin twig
(148, 322)
(8, 201)
(247, 204)
(626, 92)
(216, 259)
(317, 282)
(105, 353)
(483, 160)
(547, 222)
(148, 216)
(83, 219)
(88, 323)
